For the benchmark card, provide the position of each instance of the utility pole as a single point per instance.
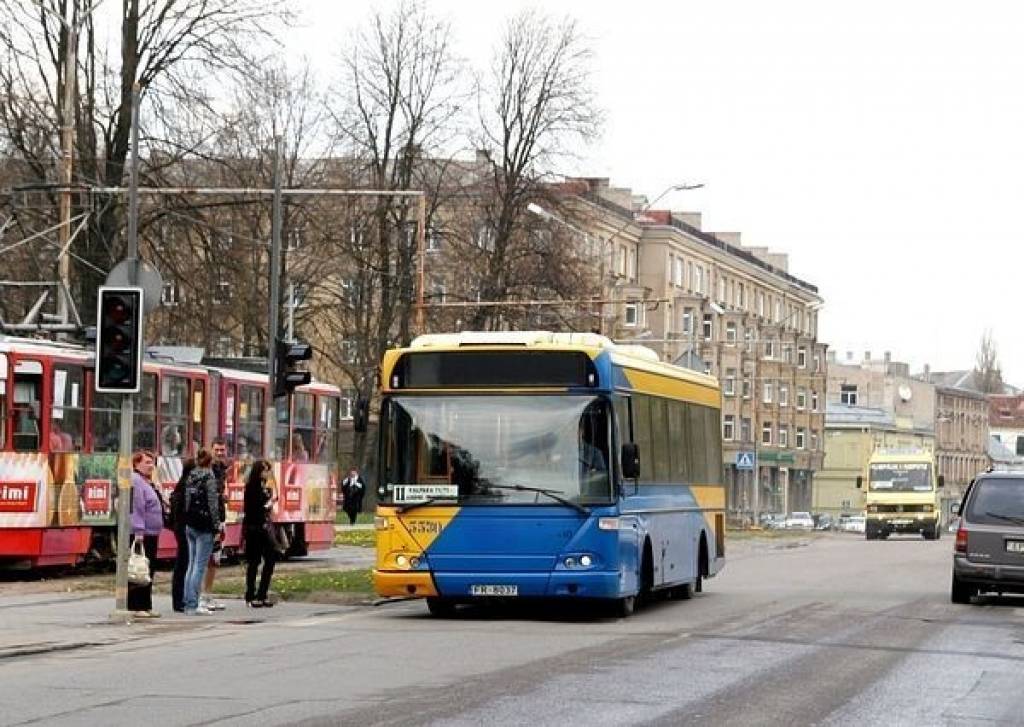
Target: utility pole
(275, 305)
(67, 127)
(124, 458)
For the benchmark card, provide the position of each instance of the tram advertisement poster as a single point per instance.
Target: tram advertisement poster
(95, 477)
(304, 492)
(23, 489)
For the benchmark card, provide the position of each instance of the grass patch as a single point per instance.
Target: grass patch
(358, 538)
(362, 518)
(313, 585)
(769, 534)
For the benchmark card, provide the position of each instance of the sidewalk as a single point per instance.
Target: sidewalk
(49, 622)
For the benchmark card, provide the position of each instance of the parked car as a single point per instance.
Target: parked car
(773, 521)
(824, 521)
(989, 551)
(800, 521)
(852, 523)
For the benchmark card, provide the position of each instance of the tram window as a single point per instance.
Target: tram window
(249, 434)
(173, 415)
(198, 415)
(25, 406)
(283, 424)
(327, 430)
(144, 418)
(67, 415)
(230, 397)
(106, 422)
(302, 427)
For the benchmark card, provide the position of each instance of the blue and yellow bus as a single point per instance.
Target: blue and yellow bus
(545, 465)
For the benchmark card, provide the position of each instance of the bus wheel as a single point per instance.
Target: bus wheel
(624, 607)
(683, 592)
(440, 607)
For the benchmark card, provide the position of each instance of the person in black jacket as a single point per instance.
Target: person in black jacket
(178, 527)
(259, 500)
(352, 490)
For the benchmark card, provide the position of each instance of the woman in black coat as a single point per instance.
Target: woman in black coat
(259, 499)
(178, 526)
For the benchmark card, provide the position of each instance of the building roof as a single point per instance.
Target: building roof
(1006, 412)
(965, 379)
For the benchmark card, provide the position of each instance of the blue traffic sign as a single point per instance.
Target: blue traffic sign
(744, 460)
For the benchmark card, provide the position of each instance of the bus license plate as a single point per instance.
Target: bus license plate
(493, 590)
(1015, 546)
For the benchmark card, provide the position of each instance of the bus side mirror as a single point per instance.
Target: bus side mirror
(942, 481)
(630, 461)
(860, 481)
(361, 415)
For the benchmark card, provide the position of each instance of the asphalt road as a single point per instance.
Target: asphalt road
(834, 631)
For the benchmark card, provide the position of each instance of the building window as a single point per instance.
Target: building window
(741, 297)
(783, 395)
(728, 426)
(814, 401)
(801, 357)
(678, 272)
(783, 435)
(801, 399)
(748, 339)
(760, 304)
(1020, 446)
(799, 437)
(435, 240)
(848, 394)
(721, 290)
(769, 388)
(222, 293)
(698, 279)
(437, 292)
(766, 433)
(170, 294)
(348, 351)
(814, 441)
(745, 429)
(817, 363)
(707, 327)
(769, 348)
(730, 333)
(632, 314)
(623, 253)
(778, 311)
(688, 321)
(484, 237)
(787, 353)
(729, 385)
(746, 386)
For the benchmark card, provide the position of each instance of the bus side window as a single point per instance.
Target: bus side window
(67, 414)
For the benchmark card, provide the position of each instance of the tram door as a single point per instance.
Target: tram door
(26, 406)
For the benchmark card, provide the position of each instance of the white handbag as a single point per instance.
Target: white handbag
(138, 565)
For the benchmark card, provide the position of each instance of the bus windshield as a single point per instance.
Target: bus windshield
(473, 449)
(901, 477)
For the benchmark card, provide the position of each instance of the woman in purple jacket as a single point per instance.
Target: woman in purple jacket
(147, 522)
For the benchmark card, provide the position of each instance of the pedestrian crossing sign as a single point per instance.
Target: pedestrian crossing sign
(744, 460)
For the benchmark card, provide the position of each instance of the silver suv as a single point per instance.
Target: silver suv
(989, 550)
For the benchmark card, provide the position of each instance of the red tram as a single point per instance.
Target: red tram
(59, 442)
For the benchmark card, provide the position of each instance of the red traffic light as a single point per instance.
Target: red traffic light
(119, 340)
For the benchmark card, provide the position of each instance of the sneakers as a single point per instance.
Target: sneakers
(146, 614)
(211, 604)
(201, 610)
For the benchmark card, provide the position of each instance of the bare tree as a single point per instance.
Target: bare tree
(174, 48)
(398, 104)
(536, 105)
(986, 367)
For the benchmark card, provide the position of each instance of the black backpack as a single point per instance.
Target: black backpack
(197, 507)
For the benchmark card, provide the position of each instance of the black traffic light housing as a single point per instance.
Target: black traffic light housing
(286, 375)
(119, 340)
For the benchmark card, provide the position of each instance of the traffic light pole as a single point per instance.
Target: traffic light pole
(124, 457)
(270, 435)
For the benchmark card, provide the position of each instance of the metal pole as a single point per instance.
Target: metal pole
(421, 237)
(124, 459)
(275, 303)
(291, 312)
(67, 151)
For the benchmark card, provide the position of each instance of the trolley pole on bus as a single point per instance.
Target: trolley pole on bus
(124, 456)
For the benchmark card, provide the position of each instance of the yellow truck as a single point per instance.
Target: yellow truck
(902, 494)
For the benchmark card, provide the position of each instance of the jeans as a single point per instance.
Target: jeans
(200, 545)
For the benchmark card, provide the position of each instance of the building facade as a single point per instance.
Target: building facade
(705, 301)
(961, 434)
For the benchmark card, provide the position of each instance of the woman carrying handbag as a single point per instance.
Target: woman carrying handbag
(259, 501)
(147, 521)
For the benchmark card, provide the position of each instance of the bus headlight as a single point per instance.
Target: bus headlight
(586, 561)
(608, 523)
(402, 562)
(570, 562)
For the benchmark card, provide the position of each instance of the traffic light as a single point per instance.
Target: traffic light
(119, 340)
(287, 376)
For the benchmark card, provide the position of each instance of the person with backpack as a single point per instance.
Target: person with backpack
(177, 507)
(202, 525)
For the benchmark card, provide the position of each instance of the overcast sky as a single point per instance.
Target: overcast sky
(878, 143)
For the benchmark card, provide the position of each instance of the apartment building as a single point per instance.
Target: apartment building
(704, 300)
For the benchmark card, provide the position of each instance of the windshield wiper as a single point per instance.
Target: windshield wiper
(553, 494)
(1008, 518)
(423, 503)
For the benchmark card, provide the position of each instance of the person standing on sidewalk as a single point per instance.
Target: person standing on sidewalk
(219, 466)
(352, 489)
(259, 500)
(177, 506)
(147, 520)
(202, 525)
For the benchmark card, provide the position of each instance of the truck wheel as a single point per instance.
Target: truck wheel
(961, 592)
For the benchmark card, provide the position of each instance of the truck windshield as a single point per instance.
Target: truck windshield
(481, 449)
(901, 477)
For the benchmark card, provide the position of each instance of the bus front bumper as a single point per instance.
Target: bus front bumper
(462, 586)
